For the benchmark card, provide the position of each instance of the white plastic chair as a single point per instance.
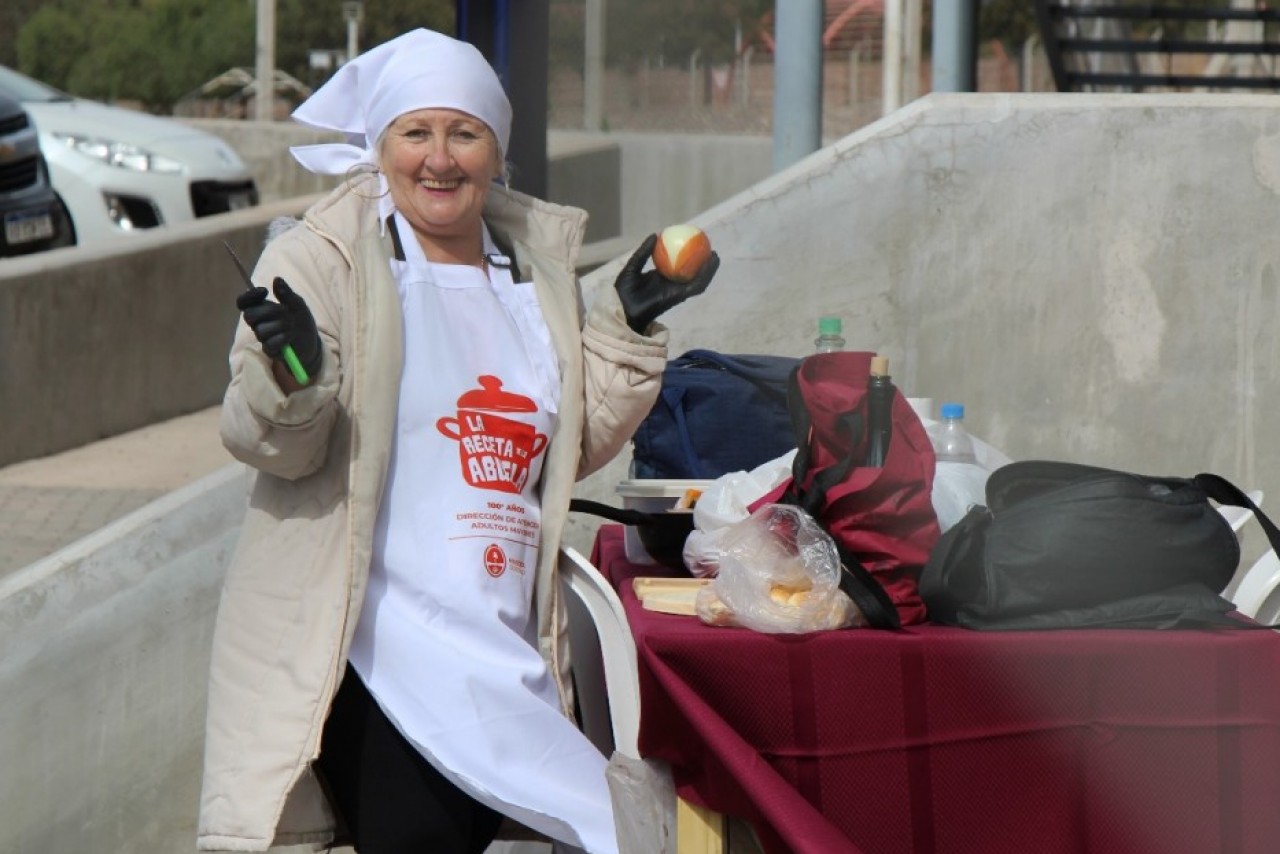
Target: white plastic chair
(608, 684)
(604, 657)
(1237, 518)
(1256, 595)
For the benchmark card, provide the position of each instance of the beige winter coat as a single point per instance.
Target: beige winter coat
(297, 580)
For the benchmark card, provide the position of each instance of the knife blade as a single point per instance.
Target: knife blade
(290, 357)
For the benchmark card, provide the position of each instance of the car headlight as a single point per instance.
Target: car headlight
(122, 155)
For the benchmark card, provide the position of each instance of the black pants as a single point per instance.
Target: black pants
(391, 800)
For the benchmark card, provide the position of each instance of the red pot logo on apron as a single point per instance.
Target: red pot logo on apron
(496, 452)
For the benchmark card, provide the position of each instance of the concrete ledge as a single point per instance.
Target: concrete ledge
(101, 340)
(103, 678)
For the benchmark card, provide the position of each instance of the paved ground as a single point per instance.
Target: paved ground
(52, 501)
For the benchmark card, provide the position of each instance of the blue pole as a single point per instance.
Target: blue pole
(955, 65)
(463, 28)
(502, 41)
(797, 75)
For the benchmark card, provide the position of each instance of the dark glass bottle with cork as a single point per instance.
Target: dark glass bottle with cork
(879, 412)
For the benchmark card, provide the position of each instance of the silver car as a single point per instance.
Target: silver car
(119, 170)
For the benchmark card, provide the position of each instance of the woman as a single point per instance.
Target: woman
(391, 632)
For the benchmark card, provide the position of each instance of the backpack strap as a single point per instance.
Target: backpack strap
(673, 397)
(1224, 491)
(850, 425)
(867, 593)
(855, 581)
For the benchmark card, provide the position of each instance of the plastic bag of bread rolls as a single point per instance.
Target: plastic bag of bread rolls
(779, 573)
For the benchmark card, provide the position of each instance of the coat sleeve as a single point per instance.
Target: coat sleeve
(623, 375)
(287, 435)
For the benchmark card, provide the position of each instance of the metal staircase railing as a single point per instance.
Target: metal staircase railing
(1136, 46)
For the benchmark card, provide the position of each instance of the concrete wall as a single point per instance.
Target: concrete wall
(670, 178)
(100, 340)
(103, 678)
(1092, 275)
(585, 172)
(662, 178)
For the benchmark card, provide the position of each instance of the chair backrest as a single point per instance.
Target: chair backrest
(1238, 517)
(1256, 595)
(603, 653)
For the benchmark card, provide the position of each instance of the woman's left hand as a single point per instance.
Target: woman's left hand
(645, 295)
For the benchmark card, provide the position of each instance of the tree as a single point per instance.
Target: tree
(153, 52)
(13, 15)
(386, 19)
(49, 44)
(302, 26)
(194, 40)
(156, 51)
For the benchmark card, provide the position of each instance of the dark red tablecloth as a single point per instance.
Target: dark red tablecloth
(937, 739)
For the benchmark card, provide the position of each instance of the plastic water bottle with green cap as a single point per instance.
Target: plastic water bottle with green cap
(830, 335)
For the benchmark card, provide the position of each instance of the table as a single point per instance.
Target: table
(939, 740)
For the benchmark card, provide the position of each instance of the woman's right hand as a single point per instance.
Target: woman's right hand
(645, 295)
(284, 323)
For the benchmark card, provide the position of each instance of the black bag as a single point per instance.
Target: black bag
(716, 414)
(1061, 545)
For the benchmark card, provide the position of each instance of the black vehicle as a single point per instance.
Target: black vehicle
(33, 217)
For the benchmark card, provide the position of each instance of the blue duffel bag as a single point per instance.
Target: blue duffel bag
(716, 414)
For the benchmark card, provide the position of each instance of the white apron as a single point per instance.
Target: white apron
(447, 638)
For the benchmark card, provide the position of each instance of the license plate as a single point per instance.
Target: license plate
(239, 201)
(26, 227)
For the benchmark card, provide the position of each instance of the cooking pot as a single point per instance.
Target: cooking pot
(661, 533)
(496, 452)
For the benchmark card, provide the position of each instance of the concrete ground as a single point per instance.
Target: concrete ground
(52, 501)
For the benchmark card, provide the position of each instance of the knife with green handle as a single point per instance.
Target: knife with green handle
(290, 357)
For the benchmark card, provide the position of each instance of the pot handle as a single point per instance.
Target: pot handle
(614, 514)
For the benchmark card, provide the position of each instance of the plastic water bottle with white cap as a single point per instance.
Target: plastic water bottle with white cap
(951, 441)
(830, 338)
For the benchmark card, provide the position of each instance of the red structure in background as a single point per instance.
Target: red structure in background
(848, 22)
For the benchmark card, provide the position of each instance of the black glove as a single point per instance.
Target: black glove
(644, 296)
(286, 322)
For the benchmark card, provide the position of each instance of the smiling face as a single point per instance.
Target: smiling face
(439, 164)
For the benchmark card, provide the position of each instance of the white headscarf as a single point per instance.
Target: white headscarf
(418, 70)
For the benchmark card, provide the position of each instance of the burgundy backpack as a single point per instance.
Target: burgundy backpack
(881, 518)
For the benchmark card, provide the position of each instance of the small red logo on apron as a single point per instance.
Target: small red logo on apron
(495, 560)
